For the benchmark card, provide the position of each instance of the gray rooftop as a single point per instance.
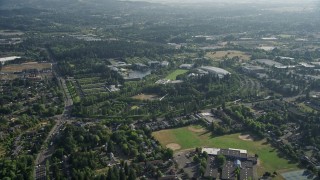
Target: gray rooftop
(268, 62)
(216, 70)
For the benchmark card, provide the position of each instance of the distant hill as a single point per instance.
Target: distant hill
(56, 4)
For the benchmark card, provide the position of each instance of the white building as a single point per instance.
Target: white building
(214, 70)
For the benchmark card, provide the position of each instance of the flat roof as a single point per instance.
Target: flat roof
(268, 62)
(215, 70)
(4, 59)
(251, 67)
(211, 151)
(307, 65)
(241, 150)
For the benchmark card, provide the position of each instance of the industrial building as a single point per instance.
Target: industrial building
(235, 159)
(250, 69)
(214, 70)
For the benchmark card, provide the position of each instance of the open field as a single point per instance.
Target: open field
(305, 108)
(186, 139)
(145, 97)
(102, 171)
(174, 74)
(228, 54)
(20, 67)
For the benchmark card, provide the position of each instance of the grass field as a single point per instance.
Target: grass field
(305, 108)
(228, 54)
(174, 74)
(20, 67)
(146, 97)
(186, 138)
(285, 36)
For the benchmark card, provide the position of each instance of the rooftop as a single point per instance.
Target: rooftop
(215, 70)
(211, 151)
(253, 68)
(268, 62)
(11, 58)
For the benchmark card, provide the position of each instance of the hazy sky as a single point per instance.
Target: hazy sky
(233, 1)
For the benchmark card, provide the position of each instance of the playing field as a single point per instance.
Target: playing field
(146, 97)
(188, 138)
(228, 54)
(20, 67)
(174, 74)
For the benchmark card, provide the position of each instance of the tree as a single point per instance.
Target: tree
(115, 172)
(132, 175)
(126, 168)
(205, 154)
(196, 159)
(168, 154)
(122, 175)
(111, 175)
(202, 170)
(221, 160)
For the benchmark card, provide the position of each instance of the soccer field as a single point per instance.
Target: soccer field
(174, 74)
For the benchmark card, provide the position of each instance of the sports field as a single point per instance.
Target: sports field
(188, 137)
(174, 74)
(20, 67)
(146, 97)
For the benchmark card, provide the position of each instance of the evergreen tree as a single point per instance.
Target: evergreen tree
(132, 175)
(111, 176)
(115, 172)
(126, 168)
(122, 175)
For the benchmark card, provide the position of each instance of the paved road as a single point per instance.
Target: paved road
(47, 149)
(45, 152)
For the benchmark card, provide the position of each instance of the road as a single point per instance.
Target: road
(47, 149)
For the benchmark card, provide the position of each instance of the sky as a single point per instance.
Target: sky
(233, 1)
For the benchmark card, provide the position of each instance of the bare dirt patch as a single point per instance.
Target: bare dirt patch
(246, 137)
(142, 97)
(197, 130)
(173, 146)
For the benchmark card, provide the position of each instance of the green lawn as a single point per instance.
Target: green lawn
(268, 156)
(174, 74)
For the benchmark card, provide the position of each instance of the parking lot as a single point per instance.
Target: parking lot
(185, 162)
(298, 175)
